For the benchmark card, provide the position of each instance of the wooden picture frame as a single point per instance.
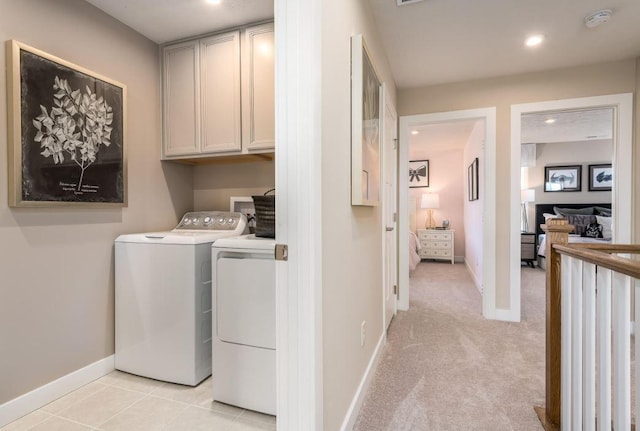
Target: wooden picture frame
(600, 177)
(418, 174)
(563, 178)
(66, 133)
(366, 103)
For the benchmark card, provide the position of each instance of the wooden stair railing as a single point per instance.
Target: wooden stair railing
(557, 235)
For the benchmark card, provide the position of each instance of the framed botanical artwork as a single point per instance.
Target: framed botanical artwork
(472, 180)
(67, 133)
(366, 90)
(418, 173)
(600, 177)
(563, 178)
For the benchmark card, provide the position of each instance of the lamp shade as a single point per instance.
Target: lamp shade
(527, 195)
(430, 201)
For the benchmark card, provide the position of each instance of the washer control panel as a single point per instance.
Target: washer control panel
(212, 220)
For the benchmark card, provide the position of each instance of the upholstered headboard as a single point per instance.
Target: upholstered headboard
(548, 208)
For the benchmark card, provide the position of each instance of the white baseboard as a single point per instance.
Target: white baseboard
(474, 276)
(354, 409)
(39, 397)
(506, 315)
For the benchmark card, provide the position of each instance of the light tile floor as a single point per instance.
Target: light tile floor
(124, 402)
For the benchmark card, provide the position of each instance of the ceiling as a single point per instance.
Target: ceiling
(433, 138)
(569, 126)
(439, 41)
(433, 41)
(169, 20)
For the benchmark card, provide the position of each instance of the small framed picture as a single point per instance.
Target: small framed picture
(600, 178)
(472, 180)
(563, 178)
(418, 173)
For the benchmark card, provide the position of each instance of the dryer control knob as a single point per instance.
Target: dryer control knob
(231, 221)
(221, 220)
(207, 221)
(187, 221)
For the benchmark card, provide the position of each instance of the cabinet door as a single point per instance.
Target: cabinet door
(220, 93)
(258, 88)
(181, 99)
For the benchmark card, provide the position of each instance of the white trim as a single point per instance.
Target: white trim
(298, 203)
(356, 403)
(506, 315)
(489, 204)
(474, 276)
(622, 196)
(39, 397)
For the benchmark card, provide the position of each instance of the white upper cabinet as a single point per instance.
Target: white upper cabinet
(258, 79)
(181, 99)
(218, 95)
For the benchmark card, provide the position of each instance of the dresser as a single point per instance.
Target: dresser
(436, 244)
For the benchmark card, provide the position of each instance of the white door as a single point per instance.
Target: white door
(390, 204)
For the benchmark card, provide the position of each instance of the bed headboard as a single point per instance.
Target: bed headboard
(548, 208)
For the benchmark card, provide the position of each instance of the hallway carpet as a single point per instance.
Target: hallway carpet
(445, 367)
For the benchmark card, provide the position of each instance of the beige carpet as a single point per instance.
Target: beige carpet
(445, 367)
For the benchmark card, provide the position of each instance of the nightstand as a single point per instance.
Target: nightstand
(436, 244)
(528, 248)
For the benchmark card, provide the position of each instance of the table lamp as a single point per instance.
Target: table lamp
(430, 201)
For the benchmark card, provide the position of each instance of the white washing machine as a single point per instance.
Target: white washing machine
(244, 323)
(163, 297)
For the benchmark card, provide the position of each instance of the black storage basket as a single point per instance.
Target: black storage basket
(265, 214)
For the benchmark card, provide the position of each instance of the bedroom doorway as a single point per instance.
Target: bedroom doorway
(621, 108)
(486, 155)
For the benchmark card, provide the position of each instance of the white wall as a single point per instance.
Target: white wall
(473, 210)
(56, 265)
(351, 236)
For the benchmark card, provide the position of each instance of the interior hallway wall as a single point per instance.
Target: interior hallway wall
(56, 264)
(473, 210)
(352, 241)
(592, 80)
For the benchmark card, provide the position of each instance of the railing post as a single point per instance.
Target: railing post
(557, 232)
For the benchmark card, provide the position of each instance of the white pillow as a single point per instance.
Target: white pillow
(547, 216)
(605, 222)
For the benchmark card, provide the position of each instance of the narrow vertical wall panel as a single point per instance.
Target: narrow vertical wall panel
(621, 352)
(603, 347)
(589, 348)
(636, 287)
(565, 285)
(576, 343)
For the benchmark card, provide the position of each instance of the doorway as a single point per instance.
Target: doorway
(487, 164)
(621, 196)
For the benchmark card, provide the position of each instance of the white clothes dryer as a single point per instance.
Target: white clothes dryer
(244, 323)
(163, 297)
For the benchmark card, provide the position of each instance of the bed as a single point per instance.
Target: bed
(414, 244)
(600, 214)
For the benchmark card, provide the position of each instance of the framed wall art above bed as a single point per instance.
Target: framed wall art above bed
(563, 178)
(600, 177)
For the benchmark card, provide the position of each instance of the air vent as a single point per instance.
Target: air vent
(404, 2)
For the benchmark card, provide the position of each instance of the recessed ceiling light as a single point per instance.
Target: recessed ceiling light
(414, 132)
(550, 121)
(214, 1)
(534, 40)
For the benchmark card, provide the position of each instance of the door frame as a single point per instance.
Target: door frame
(489, 203)
(622, 192)
(387, 101)
(298, 65)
